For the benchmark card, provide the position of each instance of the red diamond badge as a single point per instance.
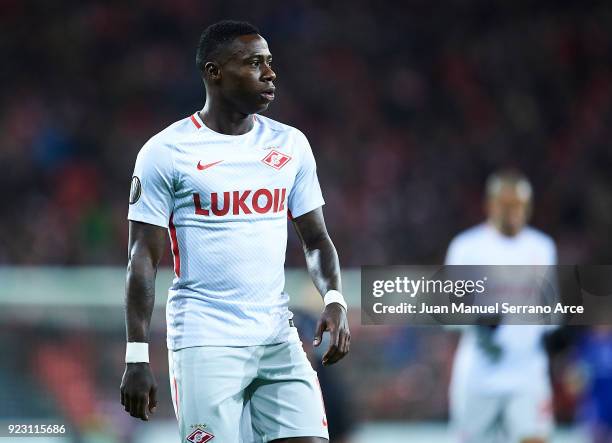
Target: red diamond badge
(199, 435)
(276, 159)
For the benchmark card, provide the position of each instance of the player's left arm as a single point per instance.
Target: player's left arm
(324, 268)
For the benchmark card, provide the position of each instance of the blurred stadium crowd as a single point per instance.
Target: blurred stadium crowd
(408, 107)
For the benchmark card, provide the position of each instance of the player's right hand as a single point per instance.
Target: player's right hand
(139, 390)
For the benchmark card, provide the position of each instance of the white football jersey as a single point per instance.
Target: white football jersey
(225, 200)
(523, 360)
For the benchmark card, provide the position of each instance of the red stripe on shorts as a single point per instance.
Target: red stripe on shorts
(176, 399)
(322, 402)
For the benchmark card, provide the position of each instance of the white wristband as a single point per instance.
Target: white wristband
(334, 296)
(137, 352)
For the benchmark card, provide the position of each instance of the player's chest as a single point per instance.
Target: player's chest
(508, 253)
(234, 169)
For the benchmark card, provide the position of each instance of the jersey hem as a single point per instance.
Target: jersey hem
(289, 337)
(304, 432)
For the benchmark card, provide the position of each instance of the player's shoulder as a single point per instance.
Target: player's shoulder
(472, 234)
(164, 141)
(184, 126)
(276, 126)
(537, 236)
(464, 243)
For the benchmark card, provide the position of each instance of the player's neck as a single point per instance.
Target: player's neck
(505, 233)
(224, 120)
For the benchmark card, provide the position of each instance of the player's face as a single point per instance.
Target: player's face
(247, 78)
(509, 210)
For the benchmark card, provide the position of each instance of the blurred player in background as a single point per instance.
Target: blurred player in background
(500, 389)
(223, 183)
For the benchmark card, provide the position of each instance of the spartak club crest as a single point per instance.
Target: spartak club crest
(199, 435)
(276, 159)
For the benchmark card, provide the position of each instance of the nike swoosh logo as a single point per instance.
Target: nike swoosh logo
(201, 167)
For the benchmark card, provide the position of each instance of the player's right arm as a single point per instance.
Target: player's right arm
(146, 246)
(151, 205)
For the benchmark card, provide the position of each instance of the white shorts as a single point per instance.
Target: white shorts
(509, 418)
(247, 394)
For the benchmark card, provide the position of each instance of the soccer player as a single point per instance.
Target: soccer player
(500, 389)
(223, 182)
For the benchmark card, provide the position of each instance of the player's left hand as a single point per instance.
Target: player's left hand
(333, 319)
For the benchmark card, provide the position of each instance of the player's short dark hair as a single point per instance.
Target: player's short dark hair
(217, 35)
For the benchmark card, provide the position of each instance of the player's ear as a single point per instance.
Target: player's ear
(212, 71)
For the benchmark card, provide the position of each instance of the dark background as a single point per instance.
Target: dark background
(408, 107)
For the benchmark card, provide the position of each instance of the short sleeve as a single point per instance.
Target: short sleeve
(305, 195)
(151, 192)
(454, 253)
